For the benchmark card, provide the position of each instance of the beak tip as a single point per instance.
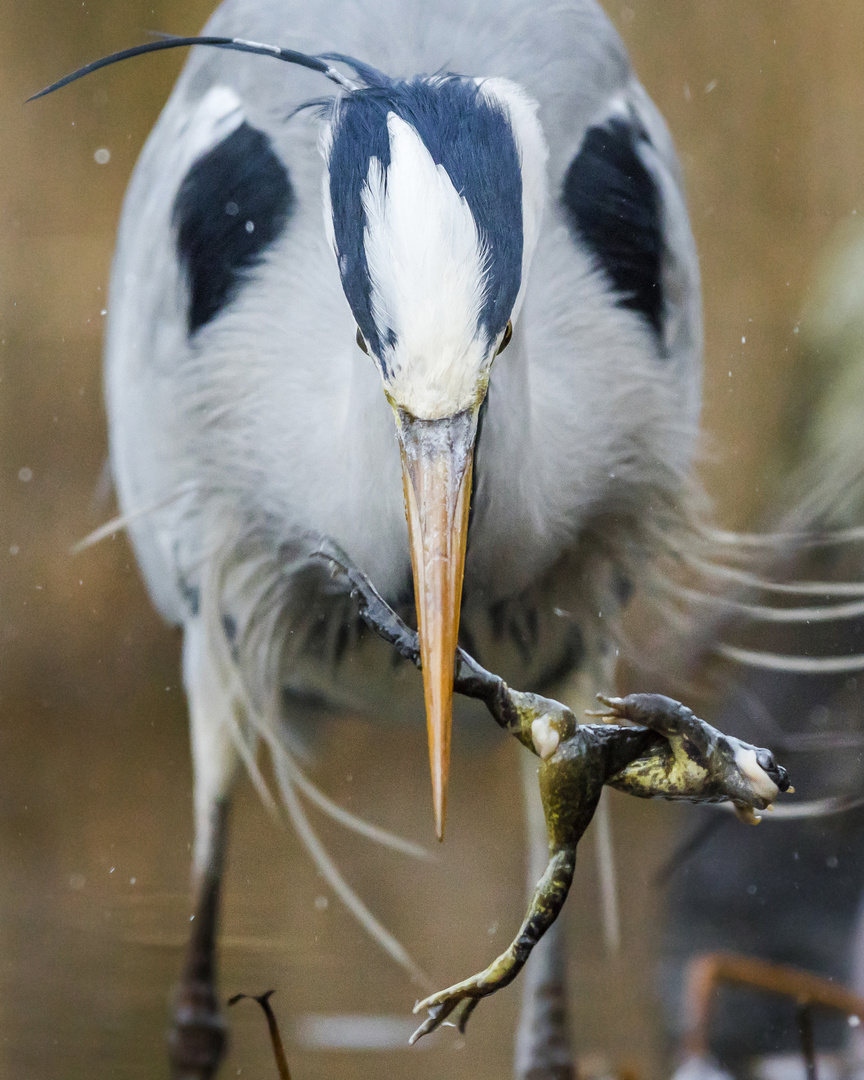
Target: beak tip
(439, 804)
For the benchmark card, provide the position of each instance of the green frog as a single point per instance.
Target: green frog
(656, 748)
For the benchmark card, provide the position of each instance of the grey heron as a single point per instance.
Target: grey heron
(487, 399)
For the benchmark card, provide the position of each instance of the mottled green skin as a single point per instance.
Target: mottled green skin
(669, 754)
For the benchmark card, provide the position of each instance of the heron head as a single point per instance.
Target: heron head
(433, 197)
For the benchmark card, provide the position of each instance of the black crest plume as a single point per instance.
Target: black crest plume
(169, 41)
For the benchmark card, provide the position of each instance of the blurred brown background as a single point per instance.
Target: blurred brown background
(765, 99)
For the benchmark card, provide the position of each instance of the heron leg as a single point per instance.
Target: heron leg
(543, 1047)
(198, 1036)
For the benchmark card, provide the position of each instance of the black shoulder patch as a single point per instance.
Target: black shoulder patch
(233, 203)
(614, 206)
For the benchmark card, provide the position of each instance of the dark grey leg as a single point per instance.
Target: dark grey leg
(855, 1046)
(543, 1048)
(198, 1038)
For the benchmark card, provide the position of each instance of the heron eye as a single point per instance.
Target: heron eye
(361, 341)
(505, 341)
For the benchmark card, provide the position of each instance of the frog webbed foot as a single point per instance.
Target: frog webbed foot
(464, 996)
(545, 905)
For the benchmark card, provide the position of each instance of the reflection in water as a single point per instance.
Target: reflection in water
(765, 103)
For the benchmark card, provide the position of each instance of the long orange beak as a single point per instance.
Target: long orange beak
(437, 459)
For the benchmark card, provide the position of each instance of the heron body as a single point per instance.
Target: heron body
(309, 306)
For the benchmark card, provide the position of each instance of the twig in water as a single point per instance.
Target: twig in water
(278, 1048)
